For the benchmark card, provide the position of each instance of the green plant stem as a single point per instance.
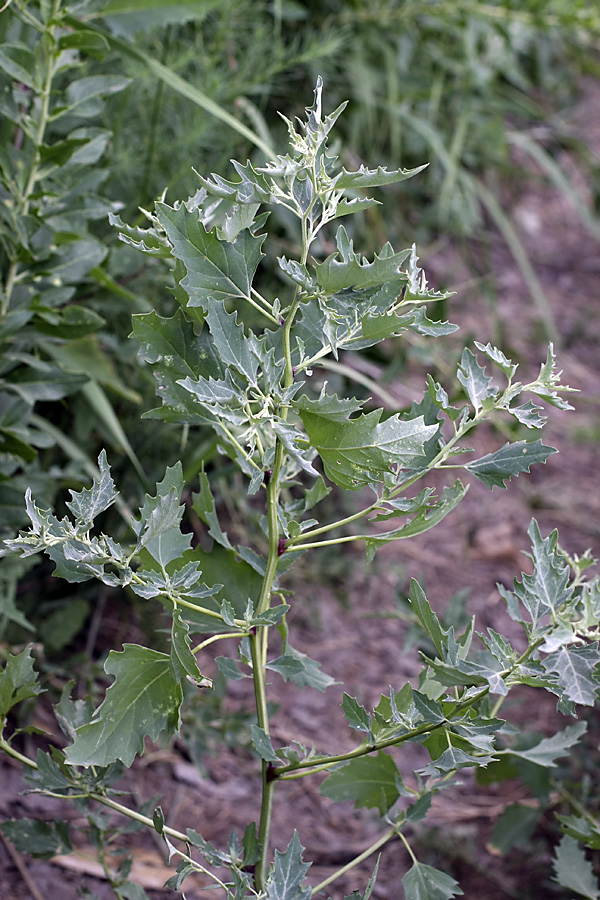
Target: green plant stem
(268, 786)
(392, 833)
(408, 847)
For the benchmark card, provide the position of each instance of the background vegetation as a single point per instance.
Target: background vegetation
(105, 103)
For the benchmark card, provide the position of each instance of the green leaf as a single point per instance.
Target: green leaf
(175, 353)
(549, 749)
(426, 883)
(231, 343)
(92, 87)
(262, 743)
(371, 781)
(360, 451)
(13, 444)
(581, 828)
(70, 323)
(159, 526)
(426, 615)
(43, 840)
(356, 715)
(514, 827)
(90, 502)
(528, 414)
(347, 269)
(183, 661)
(512, 459)
(86, 42)
(144, 700)
(365, 178)
(547, 588)
(18, 61)
(287, 873)
(216, 270)
(356, 895)
(474, 380)
(18, 681)
(72, 262)
(573, 871)
(429, 515)
(576, 671)
(306, 672)
(497, 356)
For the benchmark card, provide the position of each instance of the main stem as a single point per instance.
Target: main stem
(259, 640)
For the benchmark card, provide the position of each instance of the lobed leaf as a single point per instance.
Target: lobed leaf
(18, 681)
(286, 874)
(360, 451)
(216, 270)
(512, 459)
(371, 781)
(423, 882)
(476, 383)
(90, 502)
(143, 700)
(573, 871)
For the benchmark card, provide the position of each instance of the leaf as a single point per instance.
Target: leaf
(262, 743)
(426, 883)
(474, 380)
(360, 451)
(576, 671)
(512, 459)
(143, 700)
(427, 517)
(204, 506)
(514, 827)
(216, 270)
(231, 343)
(549, 749)
(426, 615)
(309, 673)
(72, 262)
(497, 356)
(547, 588)
(573, 871)
(90, 502)
(287, 873)
(18, 61)
(175, 352)
(347, 269)
(18, 681)
(159, 529)
(528, 414)
(183, 661)
(374, 177)
(356, 715)
(39, 839)
(371, 781)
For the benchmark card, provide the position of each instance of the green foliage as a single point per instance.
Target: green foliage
(240, 364)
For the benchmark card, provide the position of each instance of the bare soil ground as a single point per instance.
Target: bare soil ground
(339, 625)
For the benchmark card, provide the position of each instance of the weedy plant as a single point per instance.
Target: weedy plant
(253, 388)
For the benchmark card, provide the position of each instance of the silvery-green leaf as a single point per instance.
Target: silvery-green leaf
(143, 700)
(90, 502)
(494, 469)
